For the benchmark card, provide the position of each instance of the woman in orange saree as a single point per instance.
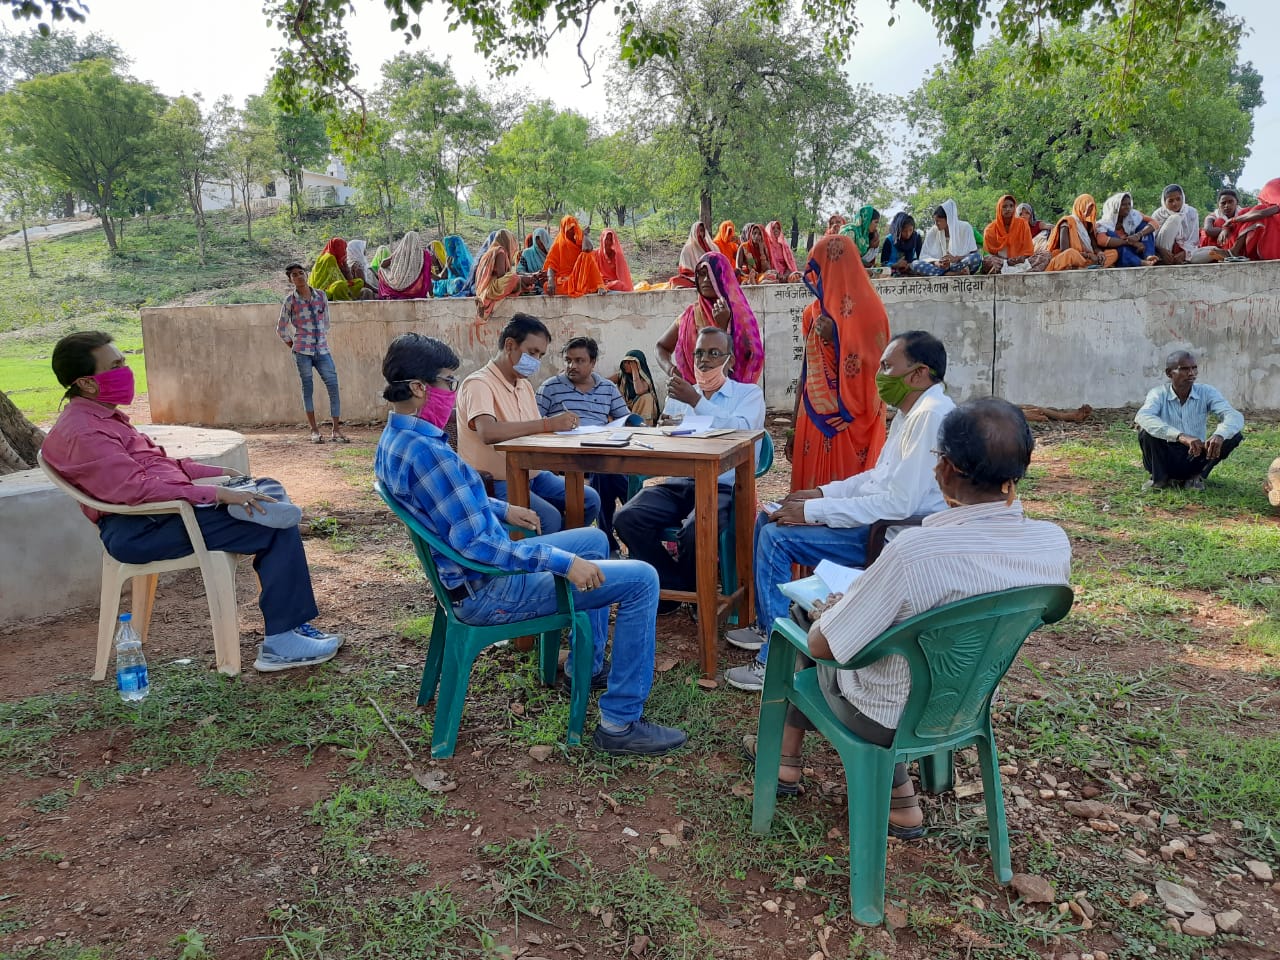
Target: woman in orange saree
(726, 239)
(1072, 246)
(839, 416)
(698, 245)
(569, 273)
(613, 263)
(753, 263)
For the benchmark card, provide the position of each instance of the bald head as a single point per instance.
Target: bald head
(1179, 358)
(988, 442)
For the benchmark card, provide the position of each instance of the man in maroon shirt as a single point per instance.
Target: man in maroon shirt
(95, 447)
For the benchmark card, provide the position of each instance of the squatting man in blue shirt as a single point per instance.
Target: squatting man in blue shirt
(416, 465)
(1172, 425)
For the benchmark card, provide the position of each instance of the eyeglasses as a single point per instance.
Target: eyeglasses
(451, 382)
(709, 355)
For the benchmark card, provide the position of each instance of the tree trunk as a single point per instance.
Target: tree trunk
(20, 439)
(795, 230)
(109, 231)
(704, 211)
(26, 245)
(200, 231)
(248, 214)
(68, 205)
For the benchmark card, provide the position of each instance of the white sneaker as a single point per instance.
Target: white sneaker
(749, 677)
(746, 638)
(289, 650)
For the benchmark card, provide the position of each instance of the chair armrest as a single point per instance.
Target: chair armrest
(786, 629)
(879, 529)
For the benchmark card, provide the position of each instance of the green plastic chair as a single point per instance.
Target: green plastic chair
(956, 654)
(455, 645)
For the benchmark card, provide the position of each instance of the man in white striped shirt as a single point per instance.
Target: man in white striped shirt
(981, 545)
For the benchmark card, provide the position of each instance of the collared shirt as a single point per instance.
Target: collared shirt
(902, 483)
(96, 448)
(309, 319)
(599, 405)
(735, 406)
(1164, 416)
(487, 391)
(958, 553)
(418, 468)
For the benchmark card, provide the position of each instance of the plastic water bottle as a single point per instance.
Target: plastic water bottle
(131, 665)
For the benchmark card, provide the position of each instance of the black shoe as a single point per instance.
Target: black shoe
(599, 680)
(641, 738)
(1195, 483)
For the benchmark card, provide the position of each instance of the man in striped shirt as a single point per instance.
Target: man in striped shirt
(981, 545)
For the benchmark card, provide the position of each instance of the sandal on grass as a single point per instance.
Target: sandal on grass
(786, 788)
(905, 833)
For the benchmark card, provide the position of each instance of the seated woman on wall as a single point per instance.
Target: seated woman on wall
(1255, 231)
(1073, 243)
(1178, 237)
(406, 274)
(332, 275)
(781, 254)
(613, 263)
(949, 246)
(835, 223)
(358, 267)
(864, 230)
(753, 263)
(721, 303)
(1008, 242)
(439, 266)
(458, 267)
(1215, 220)
(572, 270)
(726, 240)
(902, 246)
(636, 385)
(496, 275)
(534, 256)
(698, 245)
(1039, 229)
(1127, 231)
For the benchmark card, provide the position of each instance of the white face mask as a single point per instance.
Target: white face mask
(527, 365)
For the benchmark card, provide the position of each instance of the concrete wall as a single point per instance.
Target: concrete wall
(1097, 337)
(51, 560)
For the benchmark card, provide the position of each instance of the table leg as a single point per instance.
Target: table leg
(744, 511)
(707, 538)
(517, 486)
(574, 507)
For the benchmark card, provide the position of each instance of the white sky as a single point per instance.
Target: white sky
(194, 46)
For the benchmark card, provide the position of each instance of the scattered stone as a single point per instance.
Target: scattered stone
(1257, 869)
(542, 752)
(1100, 955)
(1173, 924)
(707, 684)
(1033, 889)
(1199, 925)
(1008, 770)
(770, 906)
(665, 665)
(1170, 820)
(1172, 849)
(258, 804)
(1138, 898)
(1134, 856)
(670, 840)
(895, 918)
(628, 832)
(1229, 920)
(1105, 826)
(978, 903)
(1087, 907)
(1022, 802)
(1178, 899)
(818, 955)
(1049, 779)
(1045, 793)
(834, 833)
(1237, 824)
(799, 882)
(64, 865)
(1085, 809)
(517, 708)
(639, 945)
(1209, 839)
(206, 801)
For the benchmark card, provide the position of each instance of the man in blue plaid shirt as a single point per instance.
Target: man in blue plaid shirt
(416, 465)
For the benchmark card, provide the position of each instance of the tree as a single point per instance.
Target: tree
(378, 169)
(88, 128)
(20, 439)
(316, 64)
(299, 138)
(22, 191)
(33, 53)
(980, 136)
(247, 158)
(192, 141)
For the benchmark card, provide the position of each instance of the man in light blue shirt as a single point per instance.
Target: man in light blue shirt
(729, 404)
(1172, 425)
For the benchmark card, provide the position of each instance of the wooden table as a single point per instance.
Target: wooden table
(703, 459)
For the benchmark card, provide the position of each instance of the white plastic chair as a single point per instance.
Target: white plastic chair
(217, 567)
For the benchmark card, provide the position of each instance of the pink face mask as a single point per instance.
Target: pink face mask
(437, 406)
(115, 387)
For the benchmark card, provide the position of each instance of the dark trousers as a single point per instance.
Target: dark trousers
(612, 488)
(278, 557)
(640, 522)
(1169, 460)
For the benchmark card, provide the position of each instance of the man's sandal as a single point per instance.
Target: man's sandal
(786, 788)
(905, 833)
(315, 437)
(1273, 482)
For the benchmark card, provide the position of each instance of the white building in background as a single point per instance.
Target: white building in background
(327, 188)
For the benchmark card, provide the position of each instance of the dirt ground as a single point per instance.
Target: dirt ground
(146, 854)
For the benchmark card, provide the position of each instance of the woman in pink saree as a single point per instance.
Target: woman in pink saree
(721, 303)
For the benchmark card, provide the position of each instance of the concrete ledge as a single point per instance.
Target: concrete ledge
(50, 554)
(1059, 340)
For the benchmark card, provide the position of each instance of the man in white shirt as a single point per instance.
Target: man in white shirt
(983, 544)
(729, 404)
(830, 523)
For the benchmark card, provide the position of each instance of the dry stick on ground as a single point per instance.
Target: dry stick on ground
(387, 723)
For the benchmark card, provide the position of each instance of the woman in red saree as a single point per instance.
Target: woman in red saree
(569, 273)
(839, 416)
(613, 263)
(1255, 231)
(698, 245)
(754, 263)
(784, 260)
(720, 303)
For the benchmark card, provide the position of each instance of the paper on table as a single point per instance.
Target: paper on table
(690, 424)
(592, 428)
(838, 578)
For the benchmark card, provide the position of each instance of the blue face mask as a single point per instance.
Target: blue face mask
(527, 365)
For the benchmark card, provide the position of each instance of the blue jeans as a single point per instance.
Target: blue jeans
(546, 499)
(924, 268)
(1130, 257)
(323, 365)
(629, 583)
(778, 546)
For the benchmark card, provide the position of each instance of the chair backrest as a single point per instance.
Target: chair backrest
(957, 653)
(75, 493)
(424, 541)
(766, 455)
